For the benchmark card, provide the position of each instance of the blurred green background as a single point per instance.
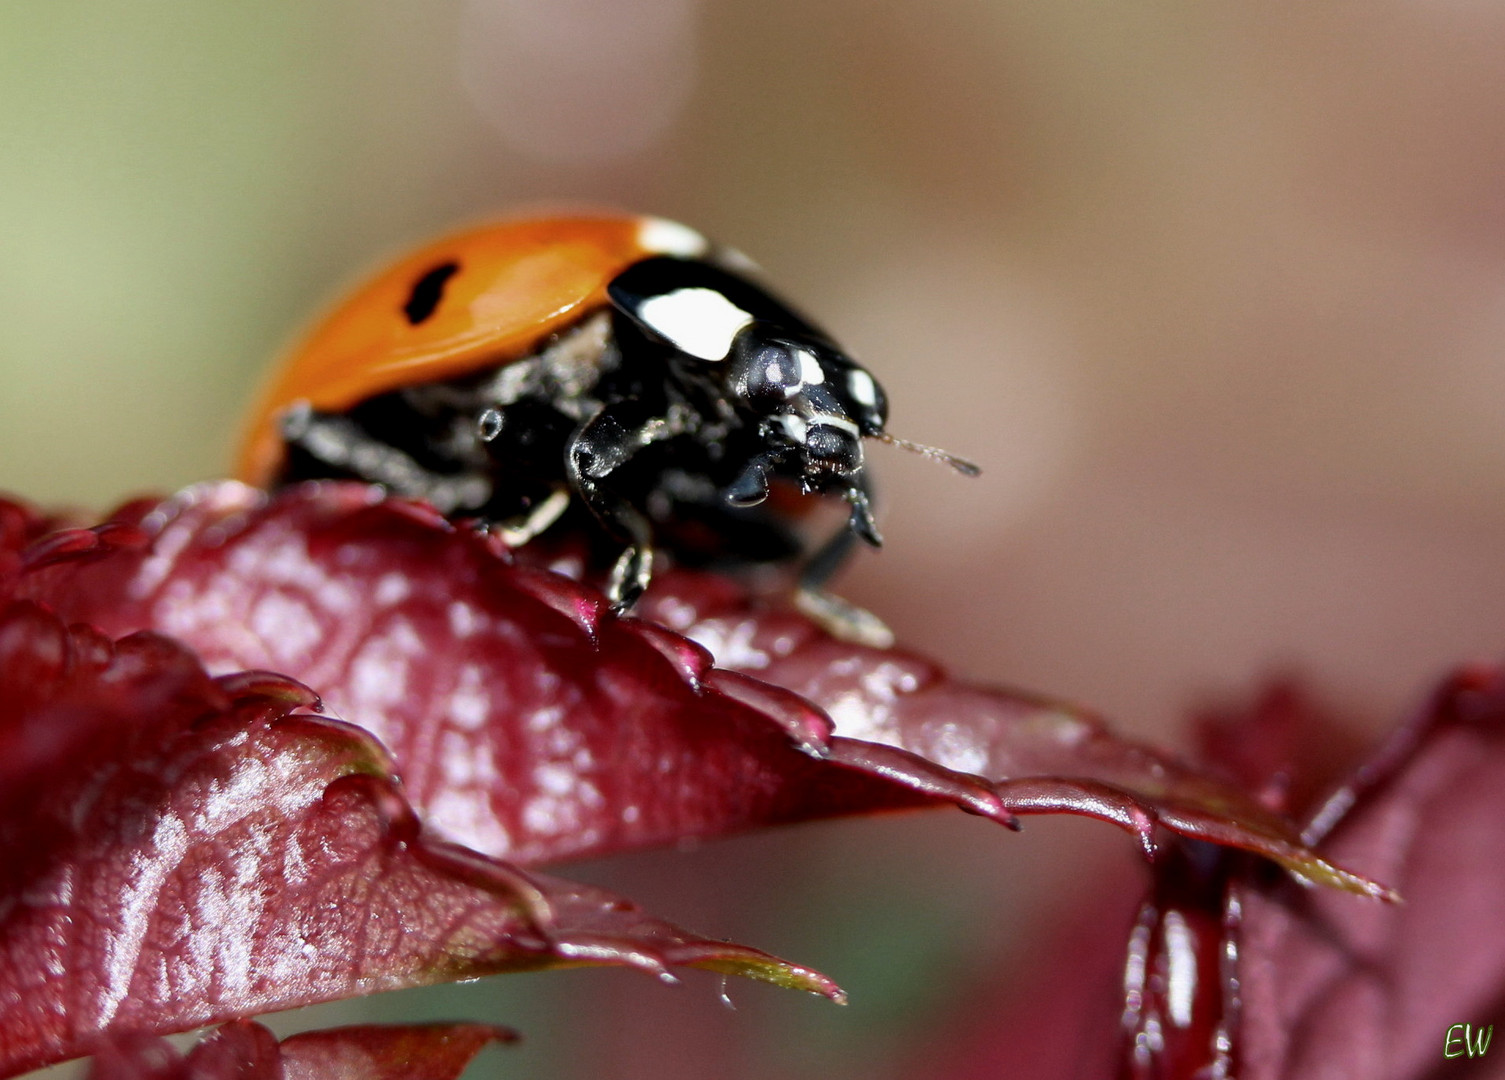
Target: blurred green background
(1214, 292)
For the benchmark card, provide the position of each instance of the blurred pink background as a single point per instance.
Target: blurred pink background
(1215, 293)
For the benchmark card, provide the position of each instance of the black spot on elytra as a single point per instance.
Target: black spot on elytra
(428, 291)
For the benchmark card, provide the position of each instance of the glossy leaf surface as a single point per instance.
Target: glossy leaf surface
(531, 723)
(177, 850)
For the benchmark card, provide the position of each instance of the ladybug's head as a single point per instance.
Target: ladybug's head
(813, 407)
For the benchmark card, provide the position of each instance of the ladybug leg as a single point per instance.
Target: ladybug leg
(836, 616)
(633, 569)
(598, 448)
(523, 528)
(631, 574)
(751, 486)
(347, 449)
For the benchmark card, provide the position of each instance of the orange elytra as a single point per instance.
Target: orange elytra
(514, 284)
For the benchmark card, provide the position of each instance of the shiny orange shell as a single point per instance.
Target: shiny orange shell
(518, 282)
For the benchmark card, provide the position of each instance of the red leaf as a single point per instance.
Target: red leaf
(1232, 972)
(242, 1050)
(1366, 991)
(529, 722)
(176, 850)
(1042, 756)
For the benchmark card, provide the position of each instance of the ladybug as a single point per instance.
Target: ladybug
(619, 368)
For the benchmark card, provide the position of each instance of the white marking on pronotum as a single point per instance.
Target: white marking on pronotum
(664, 237)
(810, 372)
(700, 322)
(862, 388)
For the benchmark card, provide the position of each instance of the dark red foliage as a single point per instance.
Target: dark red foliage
(179, 850)
(1232, 971)
(1276, 984)
(243, 1050)
(531, 723)
(1297, 986)
(1371, 991)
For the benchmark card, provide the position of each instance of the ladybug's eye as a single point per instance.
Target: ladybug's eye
(427, 292)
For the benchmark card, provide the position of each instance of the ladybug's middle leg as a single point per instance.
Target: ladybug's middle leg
(600, 447)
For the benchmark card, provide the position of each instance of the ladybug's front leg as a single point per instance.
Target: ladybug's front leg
(598, 448)
(839, 617)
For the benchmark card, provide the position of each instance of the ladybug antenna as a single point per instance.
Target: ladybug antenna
(961, 465)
